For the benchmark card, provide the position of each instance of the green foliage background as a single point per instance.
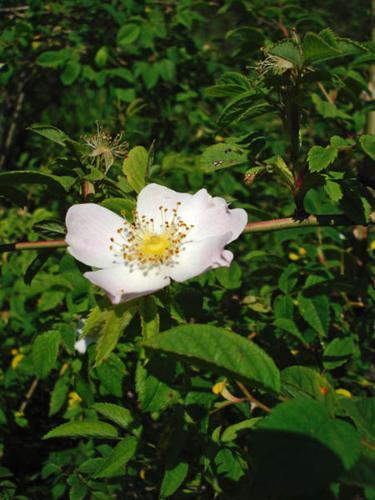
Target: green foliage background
(261, 103)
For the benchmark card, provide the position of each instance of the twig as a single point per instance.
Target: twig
(325, 93)
(32, 245)
(28, 396)
(13, 126)
(87, 189)
(307, 221)
(252, 227)
(14, 9)
(225, 404)
(250, 397)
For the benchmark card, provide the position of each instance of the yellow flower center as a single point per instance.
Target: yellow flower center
(146, 242)
(156, 245)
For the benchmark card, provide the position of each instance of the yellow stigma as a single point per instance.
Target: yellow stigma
(156, 245)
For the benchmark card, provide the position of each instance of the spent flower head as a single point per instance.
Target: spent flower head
(274, 64)
(174, 236)
(105, 147)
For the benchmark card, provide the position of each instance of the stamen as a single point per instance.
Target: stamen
(142, 243)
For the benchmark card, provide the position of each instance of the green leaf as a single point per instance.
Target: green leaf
(110, 324)
(224, 90)
(338, 352)
(349, 47)
(315, 311)
(111, 374)
(333, 190)
(58, 396)
(303, 436)
(363, 472)
(101, 57)
(222, 155)
(53, 58)
(114, 463)
(320, 158)
(287, 49)
(303, 381)
(153, 394)
(329, 37)
(68, 334)
(128, 34)
(50, 228)
(218, 350)
(231, 432)
(230, 84)
(125, 95)
(242, 106)
(121, 416)
(167, 70)
(122, 73)
(316, 49)
(83, 428)
(135, 167)
(278, 164)
(150, 74)
(229, 277)
(44, 352)
(329, 109)
(316, 202)
(288, 278)
(50, 300)
(283, 307)
(56, 182)
(122, 206)
(230, 464)
(91, 465)
(36, 265)
(368, 145)
(71, 72)
(150, 320)
(51, 133)
(79, 489)
(288, 325)
(340, 143)
(362, 412)
(173, 478)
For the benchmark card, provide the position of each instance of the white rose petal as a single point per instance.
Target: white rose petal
(82, 344)
(175, 236)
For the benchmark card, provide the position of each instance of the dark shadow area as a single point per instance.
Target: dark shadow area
(289, 465)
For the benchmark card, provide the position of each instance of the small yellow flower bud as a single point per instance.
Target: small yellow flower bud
(293, 256)
(343, 392)
(74, 398)
(219, 138)
(16, 360)
(219, 387)
(365, 383)
(63, 369)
